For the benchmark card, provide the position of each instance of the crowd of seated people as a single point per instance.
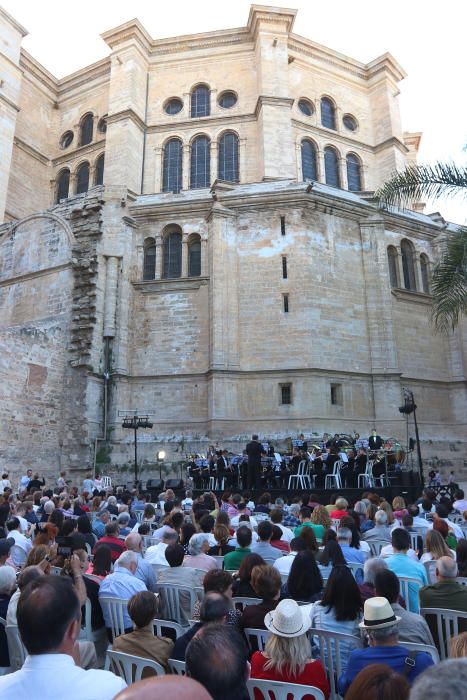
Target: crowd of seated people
(288, 567)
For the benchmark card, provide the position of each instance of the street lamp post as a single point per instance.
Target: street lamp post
(160, 460)
(135, 422)
(411, 407)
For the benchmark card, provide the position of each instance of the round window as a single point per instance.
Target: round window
(350, 122)
(227, 99)
(174, 106)
(66, 139)
(306, 107)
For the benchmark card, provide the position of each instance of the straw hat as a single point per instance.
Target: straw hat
(287, 620)
(377, 614)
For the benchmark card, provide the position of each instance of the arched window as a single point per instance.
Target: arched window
(63, 184)
(172, 254)
(425, 270)
(354, 173)
(309, 166)
(194, 257)
(328, 113)
(408, 268)
(200, 98)
(228, 158)
(149, 262)
(331, 166)
(392, 265)
(82, 178)
(86, 129)
(100, 170)
(200, 162)
(172, 166)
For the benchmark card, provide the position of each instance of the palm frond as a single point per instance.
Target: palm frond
(449, 284)
(418, 182)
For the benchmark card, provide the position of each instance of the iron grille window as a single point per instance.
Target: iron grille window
(200, 162)
(173, 256)
(87, 124)
(331, 167)
(392, 265)
(228, 158)
(63, 185)
(149, 266)
(286, 303)
(354, 177)
(286, 394)
(425, 270)
(284, 267)
(194, 259)
(408, 265)
(283, 225)
(172, 166)
(328, 113)
(82, 178)
(100, 170)
(309, 167)
(200, 98)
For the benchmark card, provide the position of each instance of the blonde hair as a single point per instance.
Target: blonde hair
(398, 503)
(388, 510)
(436, 545)
(287, 654)
(459, 646)
(320, 516)
(221, 533)
(341, 504)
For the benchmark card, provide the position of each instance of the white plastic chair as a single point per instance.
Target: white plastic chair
(428, 648)
(407, 586)
(158, 567)
(430, 567)
(167, 624)
(138, 515)
(170, 595)
(447, 626)
(16, 648)
(219, 560)
(115, 608)
(462, 580)
(282, 691)
(261, 637)
(376, 546)
(333, 480)
(178, 668)
(302, 477)
(414, 540)
(243, 601)
(366, 480)
(130, 667)
(106, 482)
(331, 654)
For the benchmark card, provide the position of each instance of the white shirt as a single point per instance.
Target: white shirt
(56, 676)
(460, 505)
(156, 554)
(235, 522)
(421, 522)
(388, 552)
(452, 526)
(5, 484)
(284, 564)
(20, 540)
(287, 533)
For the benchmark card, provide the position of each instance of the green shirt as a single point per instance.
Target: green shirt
(318, 530)
(232, 560)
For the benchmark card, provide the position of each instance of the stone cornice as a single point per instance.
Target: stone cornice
(33, 69)
(170, 285)
(131, 30)
(31, 151)
(412, 296)
(14, 23)
(8, 102)
(126, 114)
(321, 54)
(386, 63)
(392, 141)
(20, 279)
(80, 152)
(272, 100)
(200, 122)
(270, 15)
(331, 135)
(86, 76)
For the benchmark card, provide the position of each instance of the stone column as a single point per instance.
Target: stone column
(186, 167)
(242, 169)
(110, 296)
(343, 173)
(159, 253)
(213, 106)
(214, 154)
(185, 255)
(400, 268)
(298, 161)
(321, 170)
(158, 169)
(204, 257)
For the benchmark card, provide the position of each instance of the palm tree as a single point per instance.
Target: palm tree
(449, 279)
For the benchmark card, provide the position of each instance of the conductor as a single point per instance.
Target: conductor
(254, 450)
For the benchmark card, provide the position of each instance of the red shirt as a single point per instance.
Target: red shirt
(116, 545)
(312, 674)
(338, 514)
(280, 544)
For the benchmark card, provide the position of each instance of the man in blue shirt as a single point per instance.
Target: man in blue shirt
(351, 554)
(121, 584)
(381, 627)
(144, 570)
(100, 522)
(402, 565)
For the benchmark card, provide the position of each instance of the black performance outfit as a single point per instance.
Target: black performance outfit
(254, 450)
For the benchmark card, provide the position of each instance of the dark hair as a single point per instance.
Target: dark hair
(112, 528)
(206, 523)
(56, 518)
(102, 562)
(222, 674)
(307, 535)
(304, 579)
(174, 553)
(441, 526)
(144, 529)
(266, 581)
(332, 554)
(214, 608)
(378, 682)
(244, 536)
(427, 505)
(142, 608)
(349, 522)
(461, 557)
(342, 594)
(442, 510)
(265, 498)
(400, 539)
(459, 495)
(298, 544)
(407, 520)
(28, 574)
(176, 520)
(330, 535)
(84, 525)
(186, 531)
(168, 507)
(264, 530)
(305, 512)
(217, 580)
(276, 515)
(276, 532)
(46, 607)
(248, 564)
(387, 585)
(12, 524)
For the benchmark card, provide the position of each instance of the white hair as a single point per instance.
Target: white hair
(446, 680)
(344, 533)
(7, 579)
(447, 567)
(126, 559)
(123, 518)
(384, 633)
(195, 546)
(294, 508)
(49, 506)
(381, 517)
(372, 567)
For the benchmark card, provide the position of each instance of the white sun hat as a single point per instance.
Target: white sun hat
(288, 619)
(378, 613)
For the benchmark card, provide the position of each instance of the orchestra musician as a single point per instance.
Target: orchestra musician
(255, 451)
(375, 441)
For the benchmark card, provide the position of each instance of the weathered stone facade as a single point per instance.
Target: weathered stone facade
(211, 351)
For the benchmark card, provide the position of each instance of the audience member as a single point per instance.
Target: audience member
(215, 607)
(242, 582)
(266, 583)
(340, 510)
(304, 583)
(101, 564)
(198, 557)
(436, 547)
(380, 532)
(7, 587)
(218, 581)
(461, 557)
(446, 593)
(284, 564)
(276, 516)
(144, 570)
(447, 680)
(177, 573)
(370, 569)
(222, 546)
(233, 560)
(155, 554)
(402, 565)
(175, 687)
(459, 646)
(263, 546)
(112, 539)
(378, 682)
(123, 584)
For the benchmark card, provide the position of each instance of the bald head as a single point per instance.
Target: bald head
(162, 687)
(133, 542)
(446, 568)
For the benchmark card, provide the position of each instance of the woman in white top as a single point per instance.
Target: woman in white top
(436, 547)
(4, 482)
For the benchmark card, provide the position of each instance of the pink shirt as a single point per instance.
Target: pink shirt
(200, 561)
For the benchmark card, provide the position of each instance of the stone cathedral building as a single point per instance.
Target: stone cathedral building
(189, 230)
